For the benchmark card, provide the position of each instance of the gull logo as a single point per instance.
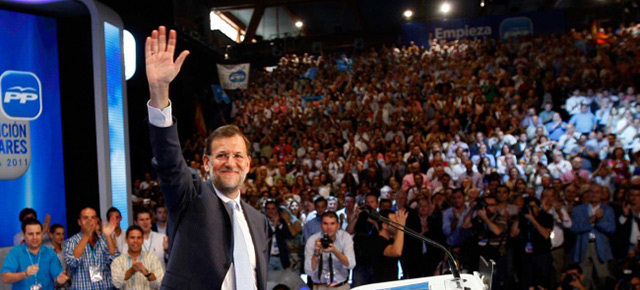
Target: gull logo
(21, 95)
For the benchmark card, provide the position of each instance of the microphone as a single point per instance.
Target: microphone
(372, 214)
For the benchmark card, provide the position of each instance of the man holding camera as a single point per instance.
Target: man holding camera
(488, 227)
(533, 230)
(332, 255)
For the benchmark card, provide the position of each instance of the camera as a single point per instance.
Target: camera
(480, 204)
(526, 209)
(325, 241)
(568, 279)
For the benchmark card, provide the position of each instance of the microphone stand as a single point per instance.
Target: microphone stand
(452, 264)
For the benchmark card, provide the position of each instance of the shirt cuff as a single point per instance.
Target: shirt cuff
(160, 118)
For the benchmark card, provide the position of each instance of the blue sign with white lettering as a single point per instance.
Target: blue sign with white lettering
(21, 95)
(497, 27)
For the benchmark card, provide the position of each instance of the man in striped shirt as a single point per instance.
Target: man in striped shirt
(136, 269)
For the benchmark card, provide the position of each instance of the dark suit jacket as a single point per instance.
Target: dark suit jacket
(281, 236)
(199, 229)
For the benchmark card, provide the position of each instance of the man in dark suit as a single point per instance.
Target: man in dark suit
(217, 241)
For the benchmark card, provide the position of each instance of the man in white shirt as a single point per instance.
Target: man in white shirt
(559, 165)
(154, 243)
(136, 269)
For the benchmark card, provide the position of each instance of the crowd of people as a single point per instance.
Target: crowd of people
(522, 152)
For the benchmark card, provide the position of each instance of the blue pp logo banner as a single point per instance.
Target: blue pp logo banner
(233, 76)
(238, 76)
(515, 26)
(21, 94)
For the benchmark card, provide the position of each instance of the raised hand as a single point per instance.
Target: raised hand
(160, 66)
(401, 216)
(110, 227)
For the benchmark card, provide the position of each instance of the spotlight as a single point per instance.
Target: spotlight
(482, 3)
(445, 7)
(299, 24)
(407, 13)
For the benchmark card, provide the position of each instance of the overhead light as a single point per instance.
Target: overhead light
(129, 54)
(445, 7)
(407, 13)
(482, 3)
(299, 24)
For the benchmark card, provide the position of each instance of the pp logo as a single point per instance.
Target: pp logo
(238, 76)
(21, 94)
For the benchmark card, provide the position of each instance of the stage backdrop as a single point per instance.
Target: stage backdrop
(498, 27)
(31, 161)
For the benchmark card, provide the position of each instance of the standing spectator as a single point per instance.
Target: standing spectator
(593, 222)
(160, 224)
(328, 264)
(313, 223)
(56, 235)
(118, 233)
(31, 265)
(89, 254)
(279, 236)
(533, 230)
(576, 172)
(452, 220)
(29, 213)
(154, 242)
(584, 121)
(386, 248)
(136, 269)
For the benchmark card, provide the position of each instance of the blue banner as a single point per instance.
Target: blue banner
(344, 63)
(31, 161)
(310, 73)
(219, 94)
(498, 27)
(313, 98)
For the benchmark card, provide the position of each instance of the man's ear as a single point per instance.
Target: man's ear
(205, 162)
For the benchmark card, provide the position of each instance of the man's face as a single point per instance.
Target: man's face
(535, 209)
(349, 202)
(229, 163)
(135, 240)
(576, 163)
(57, 236)
(491, 205)
(332, 205)
(457, 199)
(401, 198)
(321, 207)
(143, 220)
(88, 216)
(271, 210)
(502, 193)
(371, 201)
(161, 214)
(330, 225)
(33, 236)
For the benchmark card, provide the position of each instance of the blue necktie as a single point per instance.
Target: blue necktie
(242, 265)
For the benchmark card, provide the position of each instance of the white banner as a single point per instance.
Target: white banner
(233, 76)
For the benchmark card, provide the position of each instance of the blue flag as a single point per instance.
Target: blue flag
(310, 98)
(344, 63)
(219, 94)
(310, 74)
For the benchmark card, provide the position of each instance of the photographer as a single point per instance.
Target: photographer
(532, 232)
(572, 279)
(332, 255)
(488, 227)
